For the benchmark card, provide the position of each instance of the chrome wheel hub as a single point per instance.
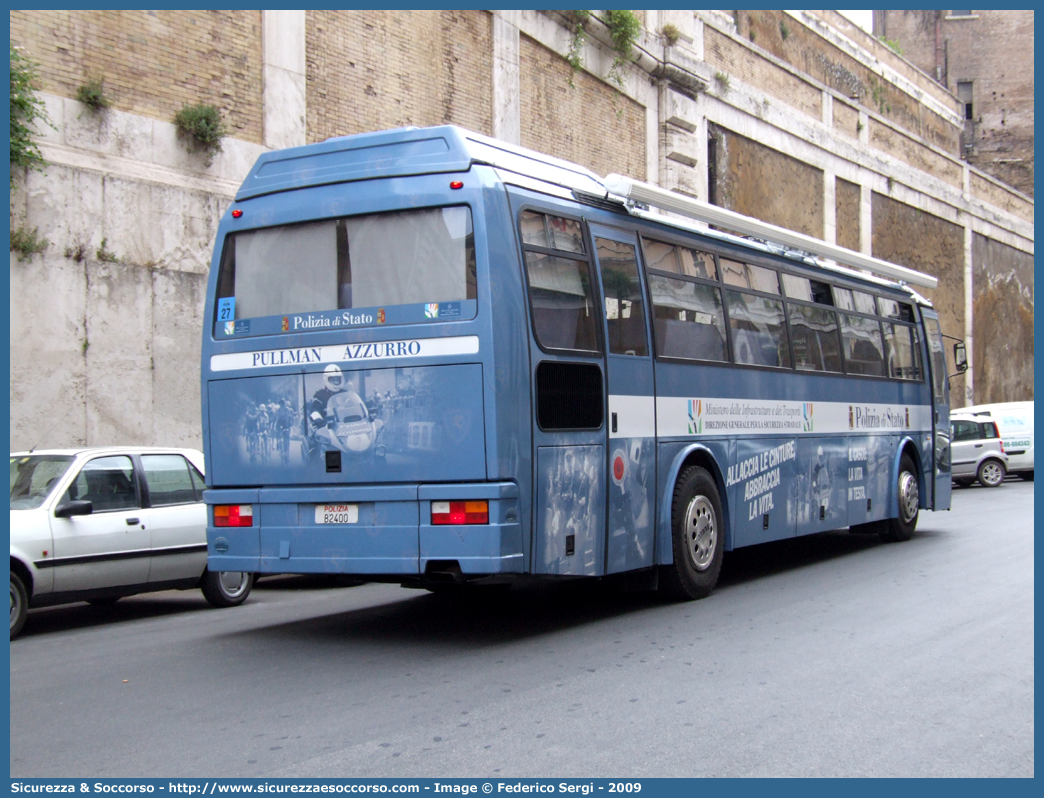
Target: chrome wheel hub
(991, 473)
(701, 532)
(909, 496)
(233, 583)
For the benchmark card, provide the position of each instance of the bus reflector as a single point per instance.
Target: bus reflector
(237, 213)
(233, 515)
(476, 512)
(455, 184)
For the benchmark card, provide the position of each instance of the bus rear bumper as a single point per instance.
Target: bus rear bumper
(392, 534)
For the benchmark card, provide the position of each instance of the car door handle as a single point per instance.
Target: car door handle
(133, 521)
(978, 446)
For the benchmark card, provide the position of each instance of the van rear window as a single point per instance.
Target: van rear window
(379, 260)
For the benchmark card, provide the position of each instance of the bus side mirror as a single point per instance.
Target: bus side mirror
(960, 357)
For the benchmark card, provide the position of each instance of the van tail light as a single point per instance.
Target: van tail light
(233, 515)
(474, 512)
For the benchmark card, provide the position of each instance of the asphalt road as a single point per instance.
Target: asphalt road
(834, 655)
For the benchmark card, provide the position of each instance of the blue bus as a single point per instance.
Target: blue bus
(433, 358)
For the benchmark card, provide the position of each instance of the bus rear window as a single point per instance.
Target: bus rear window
(399, 258)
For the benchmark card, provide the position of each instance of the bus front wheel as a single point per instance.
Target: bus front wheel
(902, 527)
(698, 536)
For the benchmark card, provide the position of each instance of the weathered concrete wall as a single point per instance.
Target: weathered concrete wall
(152, 62)
(910, 237)
(758, 181)
(372, 70)
(1003, 311)
(802, 47)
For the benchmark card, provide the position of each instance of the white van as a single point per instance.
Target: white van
(1015, 422)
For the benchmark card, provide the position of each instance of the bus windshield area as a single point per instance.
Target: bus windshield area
(378, 260)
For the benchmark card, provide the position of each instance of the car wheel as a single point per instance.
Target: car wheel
(902, 528)
(226, 588)
(1026, 475)
(19, 604)
(698, 537)
(991, 473)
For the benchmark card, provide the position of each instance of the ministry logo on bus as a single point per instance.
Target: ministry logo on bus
(806, 411)
(431, 310)
(695, 416)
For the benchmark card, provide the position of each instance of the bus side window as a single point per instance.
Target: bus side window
(759, 330)
(624, 311)
(560, 292)
(687, 319)
(902, 352)
(814, 334)
(864, 352)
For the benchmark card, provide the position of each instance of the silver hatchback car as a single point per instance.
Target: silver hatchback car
(98, 524)
(976, 451)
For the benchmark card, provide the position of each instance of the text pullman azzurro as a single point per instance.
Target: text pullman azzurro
(381, 349)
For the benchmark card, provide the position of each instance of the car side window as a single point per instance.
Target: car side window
(197, 482)
(169, 479)
(106, 482)
(965, 431)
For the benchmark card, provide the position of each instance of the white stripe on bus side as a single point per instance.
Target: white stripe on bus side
(635, 416)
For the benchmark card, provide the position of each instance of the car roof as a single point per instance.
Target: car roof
(90, 450)
(194, 456)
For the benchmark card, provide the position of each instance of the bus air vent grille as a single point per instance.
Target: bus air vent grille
(569, 396)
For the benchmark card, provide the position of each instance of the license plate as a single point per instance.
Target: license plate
(337, 513)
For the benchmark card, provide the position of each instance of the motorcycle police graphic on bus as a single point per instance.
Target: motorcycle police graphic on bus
(338, 419)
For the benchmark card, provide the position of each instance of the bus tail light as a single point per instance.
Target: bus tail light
(233, 515)
(474, 512)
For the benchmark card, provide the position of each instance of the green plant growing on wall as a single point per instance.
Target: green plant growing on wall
(575, 58)
(670, 34)
(723, 81)
(27, 242)
(752, 35)
(624, 28)
(784, 31)
(202, 126)
(104, 255)
(891, 44)
(26, 109)
(92, 94)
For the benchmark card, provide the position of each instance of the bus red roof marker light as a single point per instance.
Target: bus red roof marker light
(237, 213)
(455, 513)
(455, 184)
(233, 515)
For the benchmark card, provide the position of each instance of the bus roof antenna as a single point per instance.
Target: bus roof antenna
(657, 197)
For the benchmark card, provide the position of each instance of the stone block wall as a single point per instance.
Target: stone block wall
(152, 62)
(612, 137)
(374, 70)
(823, 130)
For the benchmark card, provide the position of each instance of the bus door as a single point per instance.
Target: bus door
(631, 406)
(940, 412)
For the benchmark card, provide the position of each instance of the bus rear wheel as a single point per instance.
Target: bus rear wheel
(698, 536)
(902, 528)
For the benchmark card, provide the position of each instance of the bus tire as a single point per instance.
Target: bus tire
(991, 473)
(226, 588)
(909, 495)
(698, 535)
(19, 604)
